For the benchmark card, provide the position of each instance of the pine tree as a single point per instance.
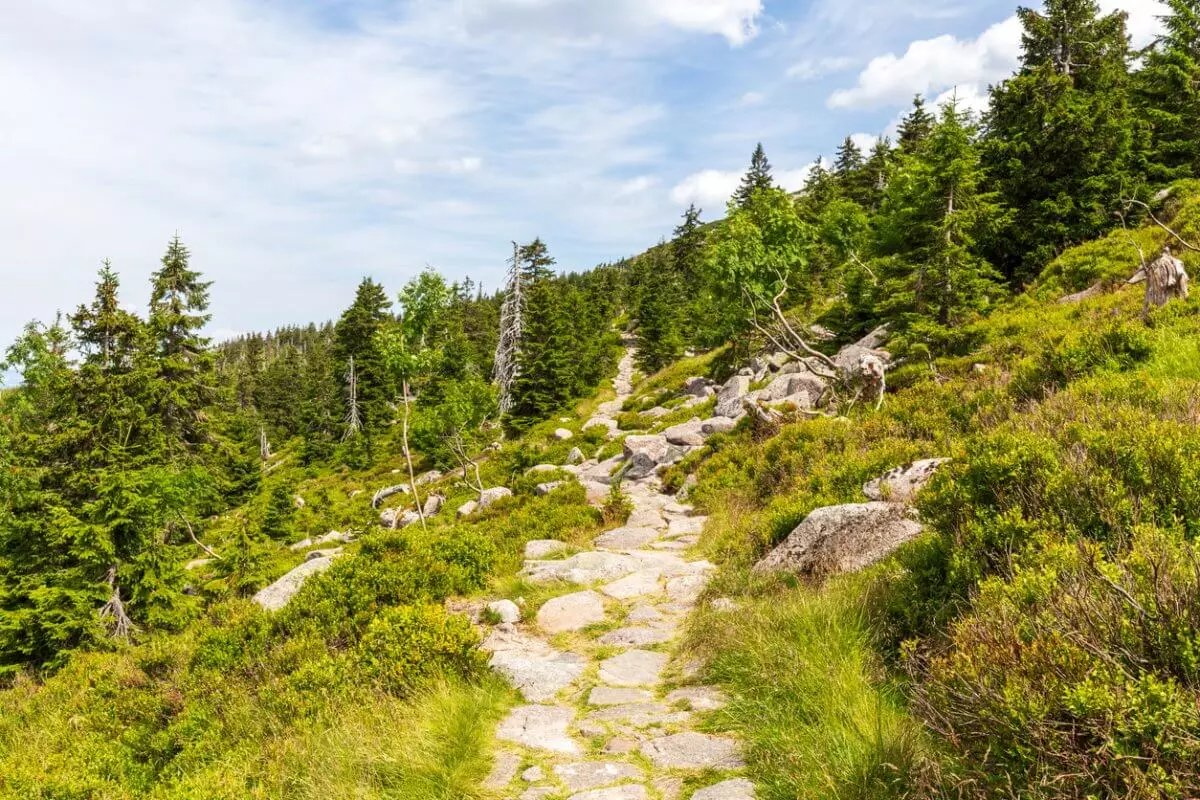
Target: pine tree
(695, 299)
(916, 126)
(757, 178)
(1168, 93)
(545, 374)
(850, 173)
(105, 332)
(933, 213)
(356, 337)
(1061, 134)
(178, 302)
(659, 340)
(876, 168)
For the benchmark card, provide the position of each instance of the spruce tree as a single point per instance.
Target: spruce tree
(916, 126)
(849, 170)
(178, 302)
(695, 299)
(105, 332)
(876, 169)
(1168, 93)
(757, 178)
(356, 338)
(659, 339)
(545, 360)
(1061, 134)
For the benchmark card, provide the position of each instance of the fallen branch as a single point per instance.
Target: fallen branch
(114, 609)
(199, 543)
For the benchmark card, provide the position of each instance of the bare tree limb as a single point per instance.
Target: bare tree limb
(192, 533)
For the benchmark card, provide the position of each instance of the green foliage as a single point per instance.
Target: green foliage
(407, 646)
(757, 178)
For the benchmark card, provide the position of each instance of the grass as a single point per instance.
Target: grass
(807, 696)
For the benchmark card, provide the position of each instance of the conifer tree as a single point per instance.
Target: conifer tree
(850, 173)
(695, 299)
(105, 332)
(916, 126)
(178, 302)
(876, 168)
(1168, 93)
(1061, 134)
(659, 340)
(356, 337)
(545, 368)
(757, 178)
(933, 213)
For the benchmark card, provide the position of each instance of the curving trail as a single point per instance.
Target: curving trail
(595, 667)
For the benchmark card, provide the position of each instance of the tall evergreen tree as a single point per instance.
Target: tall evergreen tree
(876, 169)
(660, 340)
(545, 372)
(356, 337)
(1061, 138)
(695, 299)
(757, 178)
(1168, 93)
(850, 173)
(178, 302)
(106, 333)
(916, 126)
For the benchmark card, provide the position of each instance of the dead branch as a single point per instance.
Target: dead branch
(412, 475)
(114, 609)
(1140, 204)
(192, 534)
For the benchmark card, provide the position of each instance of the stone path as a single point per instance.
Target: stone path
(608, 714)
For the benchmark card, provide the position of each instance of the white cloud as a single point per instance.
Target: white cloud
(449, 166)
(710, 188)
(932, 65)
(751, 99)
(813, 68)
(1145, 23)
(793, 179)
(636, 185)
(865, 141)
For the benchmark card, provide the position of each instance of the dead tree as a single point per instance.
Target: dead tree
(463, 455)
(1165, 280)
(412, 475)
(264, 446)
(512, 321)
(353, 416)
(784, 336)
(113, 612)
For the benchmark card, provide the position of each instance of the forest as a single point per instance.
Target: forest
(1041, 638)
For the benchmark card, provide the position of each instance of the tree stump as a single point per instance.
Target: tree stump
(1165, 279)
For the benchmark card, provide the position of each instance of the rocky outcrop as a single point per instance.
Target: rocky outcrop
(789, 387)
(688, 434)
(716, 425)
(281, 592)
(385, 493)
(729, 400)
(842, 539)
(645, 454)
(467, 509)
(698, 387)
(397, 518)
(489, 497)
(429, 477)
(901, 484)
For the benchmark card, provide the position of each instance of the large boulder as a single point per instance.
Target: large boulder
(467, 509)
(711, 427)
(697, 387)
(876, 338)
(842, 539)
(787, 386)
(562, 435)
(398, 518)
(281, 592)
(389, 491)
(900, 485)
(644, 454)
(729, 401)
(490, 497)
(428, 477)
(433, 504)
(689, 434)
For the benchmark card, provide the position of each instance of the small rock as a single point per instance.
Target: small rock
(533, 775)
(467, 509)
(315, 554)
(696, 387)
(562, 435)
(506, 611)
(633, 668)
(197, 563)
(281, 592)
(540, 548)
(544, 489)
(698, 698)
(723, 605)
(540, 468)
(693, 751)
(716, 425)
(729, 401)
(576, 456)
(738, 789)
(901, 484)
(504, 769)
(433, 504)
(301, 545)
(539, 727)
(335, 536)
(635, 637)
(428, 477)
(298, 501)
(490, 497)
(571, 612)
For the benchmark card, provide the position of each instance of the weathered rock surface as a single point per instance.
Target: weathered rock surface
(842, 539)
(576, 456)
(505, 611)
(642, 583)
(428, 477)
(692, 751)
(531, 665)
(697, 387)
(729, 400)
(626, 792)
(544, 489)
(539, 727)
(490, 497)
(540, 548)
(633, 668)
(626, 538)
(385, 493)
(281, 592)
(433, 504)
(699, 698)
(562, 435)
(467, 509)
(716, 425)
(635, 637)
(594, 774)
(738, 789)
(609, 696)
(688, 434)
(571, 612)
(583, 568)
(900, 485)
(504, 769)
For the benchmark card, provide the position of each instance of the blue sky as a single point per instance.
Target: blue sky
(297, 146)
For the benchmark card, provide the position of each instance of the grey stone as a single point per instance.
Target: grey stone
(576, 456)
(875, 339)
(544, 489)
(492, 496)
(595, 774)
(537, 469)
(467, 509)
(900, 485)
(646, 518)
(635, 637)
(668, 788)
(433, 504)
(531, 665)
(540, 548)
(716, 425)
(610, 696)
(696, 387)
(505, 610)
(729, 400)
(688, 588)
(397, 518)
(627, 792)
(626, 538)
(641, 715)
(640, 584)
(539, 727)
(562, 435)
(620, 745)
(335, 536)
(571, 612)
(602, 422)
(842, 539)
(686, 526)
(633, 668)
(281, 592)
(538, 793)
(699, 698)
(533, 775)
(303, 544)
(644, 613)
(504, 769)
(693, 751)
(737, 789)
(315, 554)
(583, 568)
(690, 434)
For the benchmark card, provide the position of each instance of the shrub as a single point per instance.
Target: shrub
(407, 646)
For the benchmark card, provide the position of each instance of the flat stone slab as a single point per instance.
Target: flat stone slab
(642, 583)
(627, 792)
(646, 518)
(633, 668)
(693, 751)
(571, 612)
(738, 789)
(641, 715)
(281, 592)
(583, 569)
(595, 774)
(539, 727)
(686, 526)
(611, 696)
(541, 548)
(687, 589)
(635, 637)
(645, 613)
(504, 769)
(532, 666)
(626, 538)
(538, 793)
(699, 698)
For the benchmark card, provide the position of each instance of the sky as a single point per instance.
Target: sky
(299, 145)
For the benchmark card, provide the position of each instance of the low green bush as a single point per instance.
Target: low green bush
(407, 646)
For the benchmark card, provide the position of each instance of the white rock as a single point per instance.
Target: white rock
(531, 665)
(594, 774)
(729, 401)
(901, 484)
(642, 583)
(693, 751)
(433, 504)
(505, 610)
(562, 435)
(492, 496)
(539, 727)
(842, 539)
(737, 789)
(428, 477)
(633, 668)
(716, 425)
(689, 434)
(626, 538)
(330, 553)
(571, 612)
(583, 568)
(626, 792)
(467, 509)
(301, 545)
(544, 489)
(540, 548)
(576, 456)
(609, 696)
(281, 592)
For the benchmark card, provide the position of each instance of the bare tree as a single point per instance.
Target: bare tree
(512, 320)
(353, 416)
(114, 610)
(264, 446)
